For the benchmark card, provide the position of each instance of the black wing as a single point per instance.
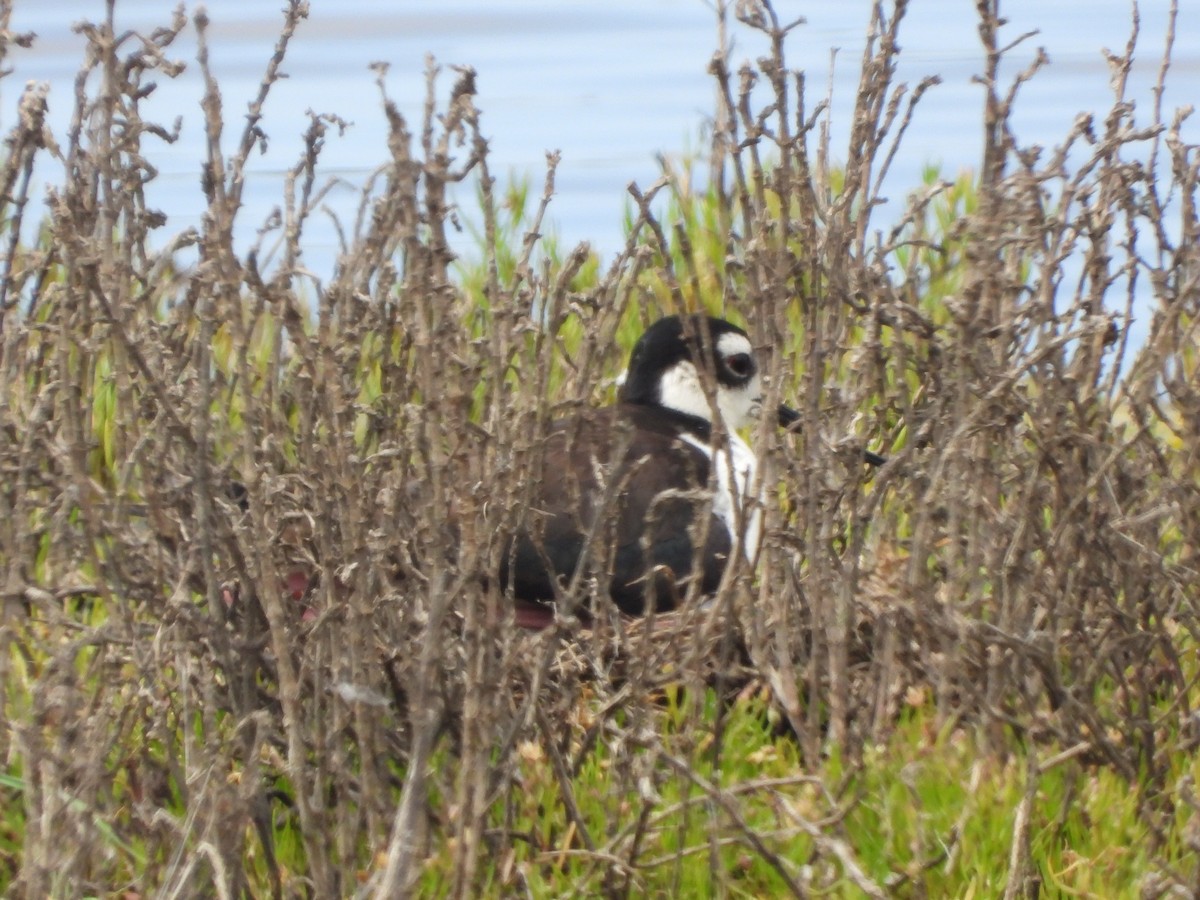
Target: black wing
(625, 475)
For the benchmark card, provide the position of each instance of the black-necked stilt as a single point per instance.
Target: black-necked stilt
(635, 482)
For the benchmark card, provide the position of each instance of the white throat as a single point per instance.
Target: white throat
(734, 501)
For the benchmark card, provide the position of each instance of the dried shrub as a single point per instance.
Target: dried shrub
(318, 665)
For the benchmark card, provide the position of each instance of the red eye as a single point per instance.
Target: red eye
(740, 364)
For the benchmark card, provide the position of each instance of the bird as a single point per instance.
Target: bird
(645, 483)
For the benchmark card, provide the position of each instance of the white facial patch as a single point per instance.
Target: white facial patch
(739, 406)
(680, 389)
(731, 343)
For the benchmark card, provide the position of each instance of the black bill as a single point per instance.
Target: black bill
(789, 418)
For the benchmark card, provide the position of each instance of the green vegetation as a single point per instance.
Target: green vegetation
(972, 675)
(928, 813)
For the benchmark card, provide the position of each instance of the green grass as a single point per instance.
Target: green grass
(929, 812)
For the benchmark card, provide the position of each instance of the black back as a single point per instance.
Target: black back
(645, 538)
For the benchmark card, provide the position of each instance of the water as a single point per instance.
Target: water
(610, 84)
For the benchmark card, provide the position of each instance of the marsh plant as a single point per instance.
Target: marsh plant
(252, 638)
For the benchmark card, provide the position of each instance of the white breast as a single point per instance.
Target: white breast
(735, 466)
